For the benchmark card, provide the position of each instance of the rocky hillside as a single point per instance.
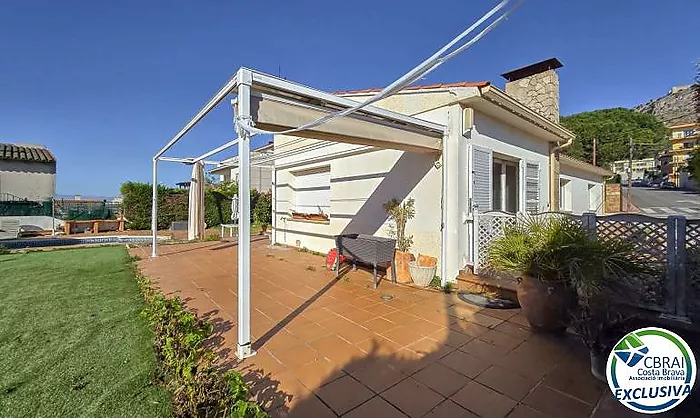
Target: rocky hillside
(680, 105)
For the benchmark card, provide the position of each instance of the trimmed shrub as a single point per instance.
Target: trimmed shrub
(263, 209)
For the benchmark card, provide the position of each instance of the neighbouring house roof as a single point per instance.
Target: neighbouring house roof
(421, 87)
(20, 152)
(230, 163)
(582, 165)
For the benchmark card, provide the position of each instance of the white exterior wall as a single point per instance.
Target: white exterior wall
(362, 180)
(505, 139)
(582, 200)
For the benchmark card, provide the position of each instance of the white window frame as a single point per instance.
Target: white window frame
(324, 208)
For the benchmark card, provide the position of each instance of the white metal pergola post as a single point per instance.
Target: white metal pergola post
(244, 348)
(154, 210)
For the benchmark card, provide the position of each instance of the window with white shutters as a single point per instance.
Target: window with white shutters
(482, 178)
(532, 187)
(312, 191)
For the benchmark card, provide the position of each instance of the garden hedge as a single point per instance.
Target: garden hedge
(173, 204)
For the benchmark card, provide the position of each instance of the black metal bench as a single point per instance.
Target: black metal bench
(366, 249)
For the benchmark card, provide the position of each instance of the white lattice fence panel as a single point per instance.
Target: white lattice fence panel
(649, 237)
(492, 225)
(692, 245)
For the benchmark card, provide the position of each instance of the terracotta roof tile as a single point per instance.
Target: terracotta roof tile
(422, 87)
(26, 153)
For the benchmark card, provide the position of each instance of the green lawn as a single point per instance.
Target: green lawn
(71, 339)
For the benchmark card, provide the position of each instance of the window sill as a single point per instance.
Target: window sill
(309, 221)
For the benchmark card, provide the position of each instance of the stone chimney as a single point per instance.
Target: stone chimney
(537, 87)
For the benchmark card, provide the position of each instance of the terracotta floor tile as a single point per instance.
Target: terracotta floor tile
(485, 320)
(337, 350)
(524, 411)
(514, 329)
(296, 355)
(527, 365)
(609, 407)
(441, 379)
(310, 331)
(378, 346)
(279, 390)
(412, 397)
(317, 314)
(451, 337)
(506, 382)
(375, 407)
(402, 336)
(485, 351)
(576, 381)
(449, 409)
(504, 314)
(430, 347)
(425, 327)
(520, 320)
(553, 403)
(318, 373)
(344, 394)
(378, 376)
(483, 401)
(501, 339)
(380, 309)
(305, 408)
(379, 325)
(400, 317)
(464, 363)
(469, 328)
(358, 315)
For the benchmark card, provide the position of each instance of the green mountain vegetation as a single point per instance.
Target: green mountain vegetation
(613, 129)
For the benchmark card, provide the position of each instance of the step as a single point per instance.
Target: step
(506, 288)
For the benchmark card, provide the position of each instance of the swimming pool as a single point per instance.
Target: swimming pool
(55, 242)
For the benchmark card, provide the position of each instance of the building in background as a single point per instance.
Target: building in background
(261, 171)
(640, 168)
(27, 172)
(685, 139)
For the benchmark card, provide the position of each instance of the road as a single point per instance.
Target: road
(665, 202)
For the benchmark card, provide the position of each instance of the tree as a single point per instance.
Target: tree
(694, 164)
(613, 129)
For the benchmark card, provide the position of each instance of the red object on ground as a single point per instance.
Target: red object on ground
(330, 258)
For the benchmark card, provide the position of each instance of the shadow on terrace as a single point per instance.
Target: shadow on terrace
(330, 347)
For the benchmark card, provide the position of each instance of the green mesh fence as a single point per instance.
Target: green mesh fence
(67, 210)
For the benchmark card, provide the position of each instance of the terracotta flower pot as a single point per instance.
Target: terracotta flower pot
(401, 260)
(547, 306)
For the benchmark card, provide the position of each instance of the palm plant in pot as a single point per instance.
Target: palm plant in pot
(556, 262)
(399, 214)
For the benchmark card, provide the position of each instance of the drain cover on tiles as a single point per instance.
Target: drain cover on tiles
(486, 301)
(386, 297)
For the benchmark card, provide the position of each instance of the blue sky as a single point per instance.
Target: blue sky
(105, 84)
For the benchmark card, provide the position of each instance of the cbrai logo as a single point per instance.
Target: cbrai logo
(651, 370)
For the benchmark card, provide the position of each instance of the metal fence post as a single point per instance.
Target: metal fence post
(588, 222)
(475, 239)
(681, 272)
(675, 270)
(670, 265)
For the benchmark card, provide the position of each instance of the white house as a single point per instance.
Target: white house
(501, 150)
(260, 173)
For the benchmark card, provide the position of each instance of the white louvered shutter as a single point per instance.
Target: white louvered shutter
(532, 187)
(313, 192)
(482, 179)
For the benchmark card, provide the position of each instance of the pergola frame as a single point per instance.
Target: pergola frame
(423, 136)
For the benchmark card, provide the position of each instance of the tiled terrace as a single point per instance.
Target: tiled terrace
(331, 348)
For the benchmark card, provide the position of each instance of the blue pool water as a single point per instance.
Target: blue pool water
(54, 242)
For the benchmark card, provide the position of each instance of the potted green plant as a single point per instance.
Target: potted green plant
(262, 214)
(600, 324)
(399, 214)
(556, 263)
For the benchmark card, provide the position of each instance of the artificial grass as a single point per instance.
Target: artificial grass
(71, 339)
